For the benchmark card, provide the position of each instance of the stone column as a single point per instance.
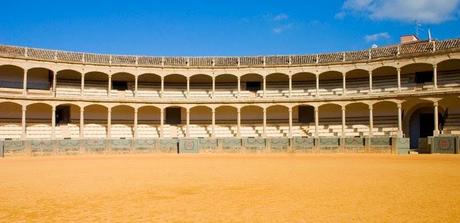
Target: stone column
(371, 120)
(54, 83)
(435, 76)
(400, 134)
(436, 120)
(316, 122)
(109, 86)
(344, 84)
(290, 122)
(344, 122)
(213, 132)
(82, 122)
(82, 87)
(213, 87)
(264, 86)
(109, 123)
(23, 122)
(370, 81)
(162, 120)
(162, 90)
(24, 83)
(238, 120)
(317, 85)
(188, 87)
(399, 79)
(264, 127)
(239, 87)
(187, 127)
(135, 123)
(290, 86)
(53, 122)
(136, 78)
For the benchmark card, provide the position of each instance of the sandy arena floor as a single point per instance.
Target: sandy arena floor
(231, 188)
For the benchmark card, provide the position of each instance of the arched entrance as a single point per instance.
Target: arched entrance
(421, 124)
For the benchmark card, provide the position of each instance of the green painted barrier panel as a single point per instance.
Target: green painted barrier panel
(95, 145)
(120, 145)
(168, 145)
(303, 143)
(279, 144)
(207, 144)
(144, 144)
(354, 142)
(68, 145)
(401, 145)
(329, 143)
(254, 144)
(14, 146)
(188, 146)
(41, 146)
(230, 144)
(444, 144)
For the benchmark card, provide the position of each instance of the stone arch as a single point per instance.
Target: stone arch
(385, 79)
(96, 84)
(357, 81)
(39, 78)
(449, 73)
(11, 78)
(303, 84)
(330, 120)
(68, 82)
(226, 85)
(331, 83)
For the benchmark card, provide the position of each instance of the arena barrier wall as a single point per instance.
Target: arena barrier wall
(37, 147)
(446, 144)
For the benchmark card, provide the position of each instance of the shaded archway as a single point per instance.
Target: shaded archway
(148, 122)
(417, 75)
(10, 120)
(38, 121)
(357, 120)
(251, 85)
(330, 120)
(226, 121)
(68, 83)
(449, 121)
(123, 85)
(95, 117)
(277, 121)
(251, 121)
(200, 86)
(303, 120)
(175, 120)
(357, 81)
(200, 121)
(385, 79)
(11, 79)
(175, 86)
(449, 73)
(96, 84)
(39, 80)
(149, 85)
(226, 86)
(122, 122)
(303, 84)
(385, 115)
(67, 121)
(277, 85)
(330, 83)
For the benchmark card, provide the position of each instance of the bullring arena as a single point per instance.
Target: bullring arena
(294, 138)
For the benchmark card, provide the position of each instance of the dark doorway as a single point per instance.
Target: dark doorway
(173, 116)
(423, 77)
(253, 86)
(306, 114)
(421, 125)
(426, 125)
(120, 85)
(63, 115)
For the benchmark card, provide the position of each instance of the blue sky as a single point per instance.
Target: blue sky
(237, 27)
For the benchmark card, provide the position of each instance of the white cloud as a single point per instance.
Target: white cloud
(423, 11)
(280, 17)
(376, 37)
(282, 28)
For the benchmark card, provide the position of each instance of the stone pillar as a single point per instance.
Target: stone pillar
(188, 87)
(82, 87)
(264, 127)
(344, 122)
(435, 76)
(238, 120)
(24, 83)
(436, 119)
(82, 122)
(290, 86)
(399, 79)
(54, 83)
(135, 123)
(213, 87)
(187, 127)
(109, 86)
(213, 120)
(344, 83)
(23, 122)
(136, 78)
(290, 122)
(53, 122)
(162, 120)
(371, 120)
(239, 87)
(316, 122)
(370, 81)
(317, 85)
(162, 90)
(264, 86)
(109, 123)
(400, 134)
